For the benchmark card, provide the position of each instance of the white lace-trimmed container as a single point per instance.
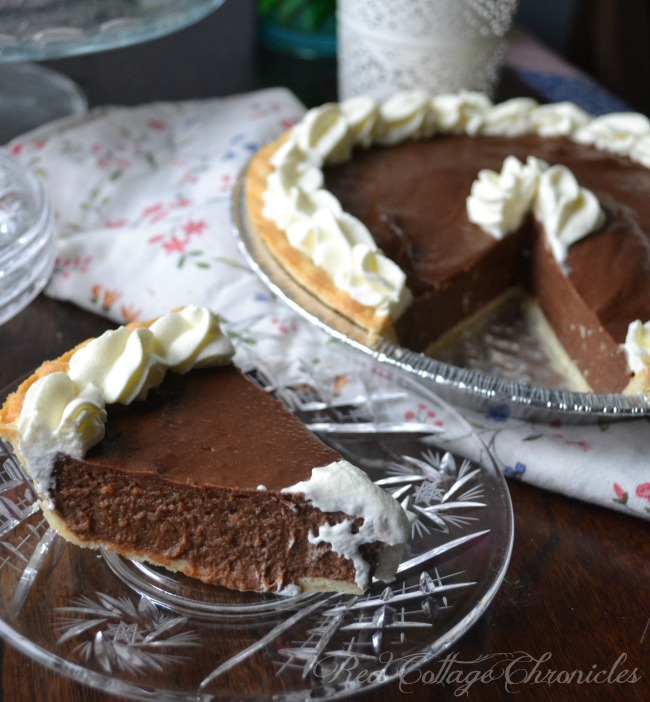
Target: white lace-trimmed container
(438, 45)
(26, 237)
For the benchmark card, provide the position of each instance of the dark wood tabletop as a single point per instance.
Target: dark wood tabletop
(574, 608)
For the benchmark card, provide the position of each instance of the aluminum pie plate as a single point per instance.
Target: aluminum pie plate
(502, 365)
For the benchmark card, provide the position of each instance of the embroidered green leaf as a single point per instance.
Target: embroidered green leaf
(236, 335)
(231, 262)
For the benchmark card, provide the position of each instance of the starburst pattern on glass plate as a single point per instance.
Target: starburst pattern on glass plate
(362, 629)
(122, 634)
(18, 535)
(437, 488)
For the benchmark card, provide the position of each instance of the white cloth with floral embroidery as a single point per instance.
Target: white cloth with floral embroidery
(142, 200)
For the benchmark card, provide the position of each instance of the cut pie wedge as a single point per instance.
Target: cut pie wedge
(198, 470)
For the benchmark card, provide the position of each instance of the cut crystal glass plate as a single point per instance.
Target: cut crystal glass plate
(142, 632)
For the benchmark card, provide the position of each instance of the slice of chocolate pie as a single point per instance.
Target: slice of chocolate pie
(198, 469)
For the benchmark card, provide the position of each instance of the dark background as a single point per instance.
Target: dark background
(609, 39)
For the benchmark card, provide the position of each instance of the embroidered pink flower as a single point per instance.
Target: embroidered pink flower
(78, 264)
(584, 445)
(194, 227)
(282, 326)
(174, 244)
(157, 125)
(643, 491)
(115, 223)
(152, 209)
(381, 372)
(423, 414)
(621, 495)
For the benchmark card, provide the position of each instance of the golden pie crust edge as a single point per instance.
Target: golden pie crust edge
(294, 262)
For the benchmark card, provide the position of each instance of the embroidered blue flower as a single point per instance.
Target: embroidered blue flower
(239, 141)
(498, 413)
(515, 472)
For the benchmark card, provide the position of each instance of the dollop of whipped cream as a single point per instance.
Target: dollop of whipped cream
(328, 134)
(325, 131)
(460, 113)
(637, 346)
(65, 412)
(567, 211)
(498, 202)
(617, 132)
(362, 113)
(558, 119)
(340, 487)
(509, 118)
(404, 116)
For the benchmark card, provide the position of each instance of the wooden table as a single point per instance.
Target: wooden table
(576, 598)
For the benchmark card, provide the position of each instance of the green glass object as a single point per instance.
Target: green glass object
(305, 28)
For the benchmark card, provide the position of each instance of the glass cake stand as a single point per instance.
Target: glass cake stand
(32, 95)
(37, 30)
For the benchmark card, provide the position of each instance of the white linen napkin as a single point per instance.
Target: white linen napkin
(143, 215)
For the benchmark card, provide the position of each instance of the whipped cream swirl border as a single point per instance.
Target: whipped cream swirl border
(65, 411)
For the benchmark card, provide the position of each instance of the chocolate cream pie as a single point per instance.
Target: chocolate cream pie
(413, 216)
(198, 469)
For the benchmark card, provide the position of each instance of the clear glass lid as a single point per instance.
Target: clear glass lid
(26, 237)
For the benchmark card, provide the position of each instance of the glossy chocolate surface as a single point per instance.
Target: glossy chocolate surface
(211, 427)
